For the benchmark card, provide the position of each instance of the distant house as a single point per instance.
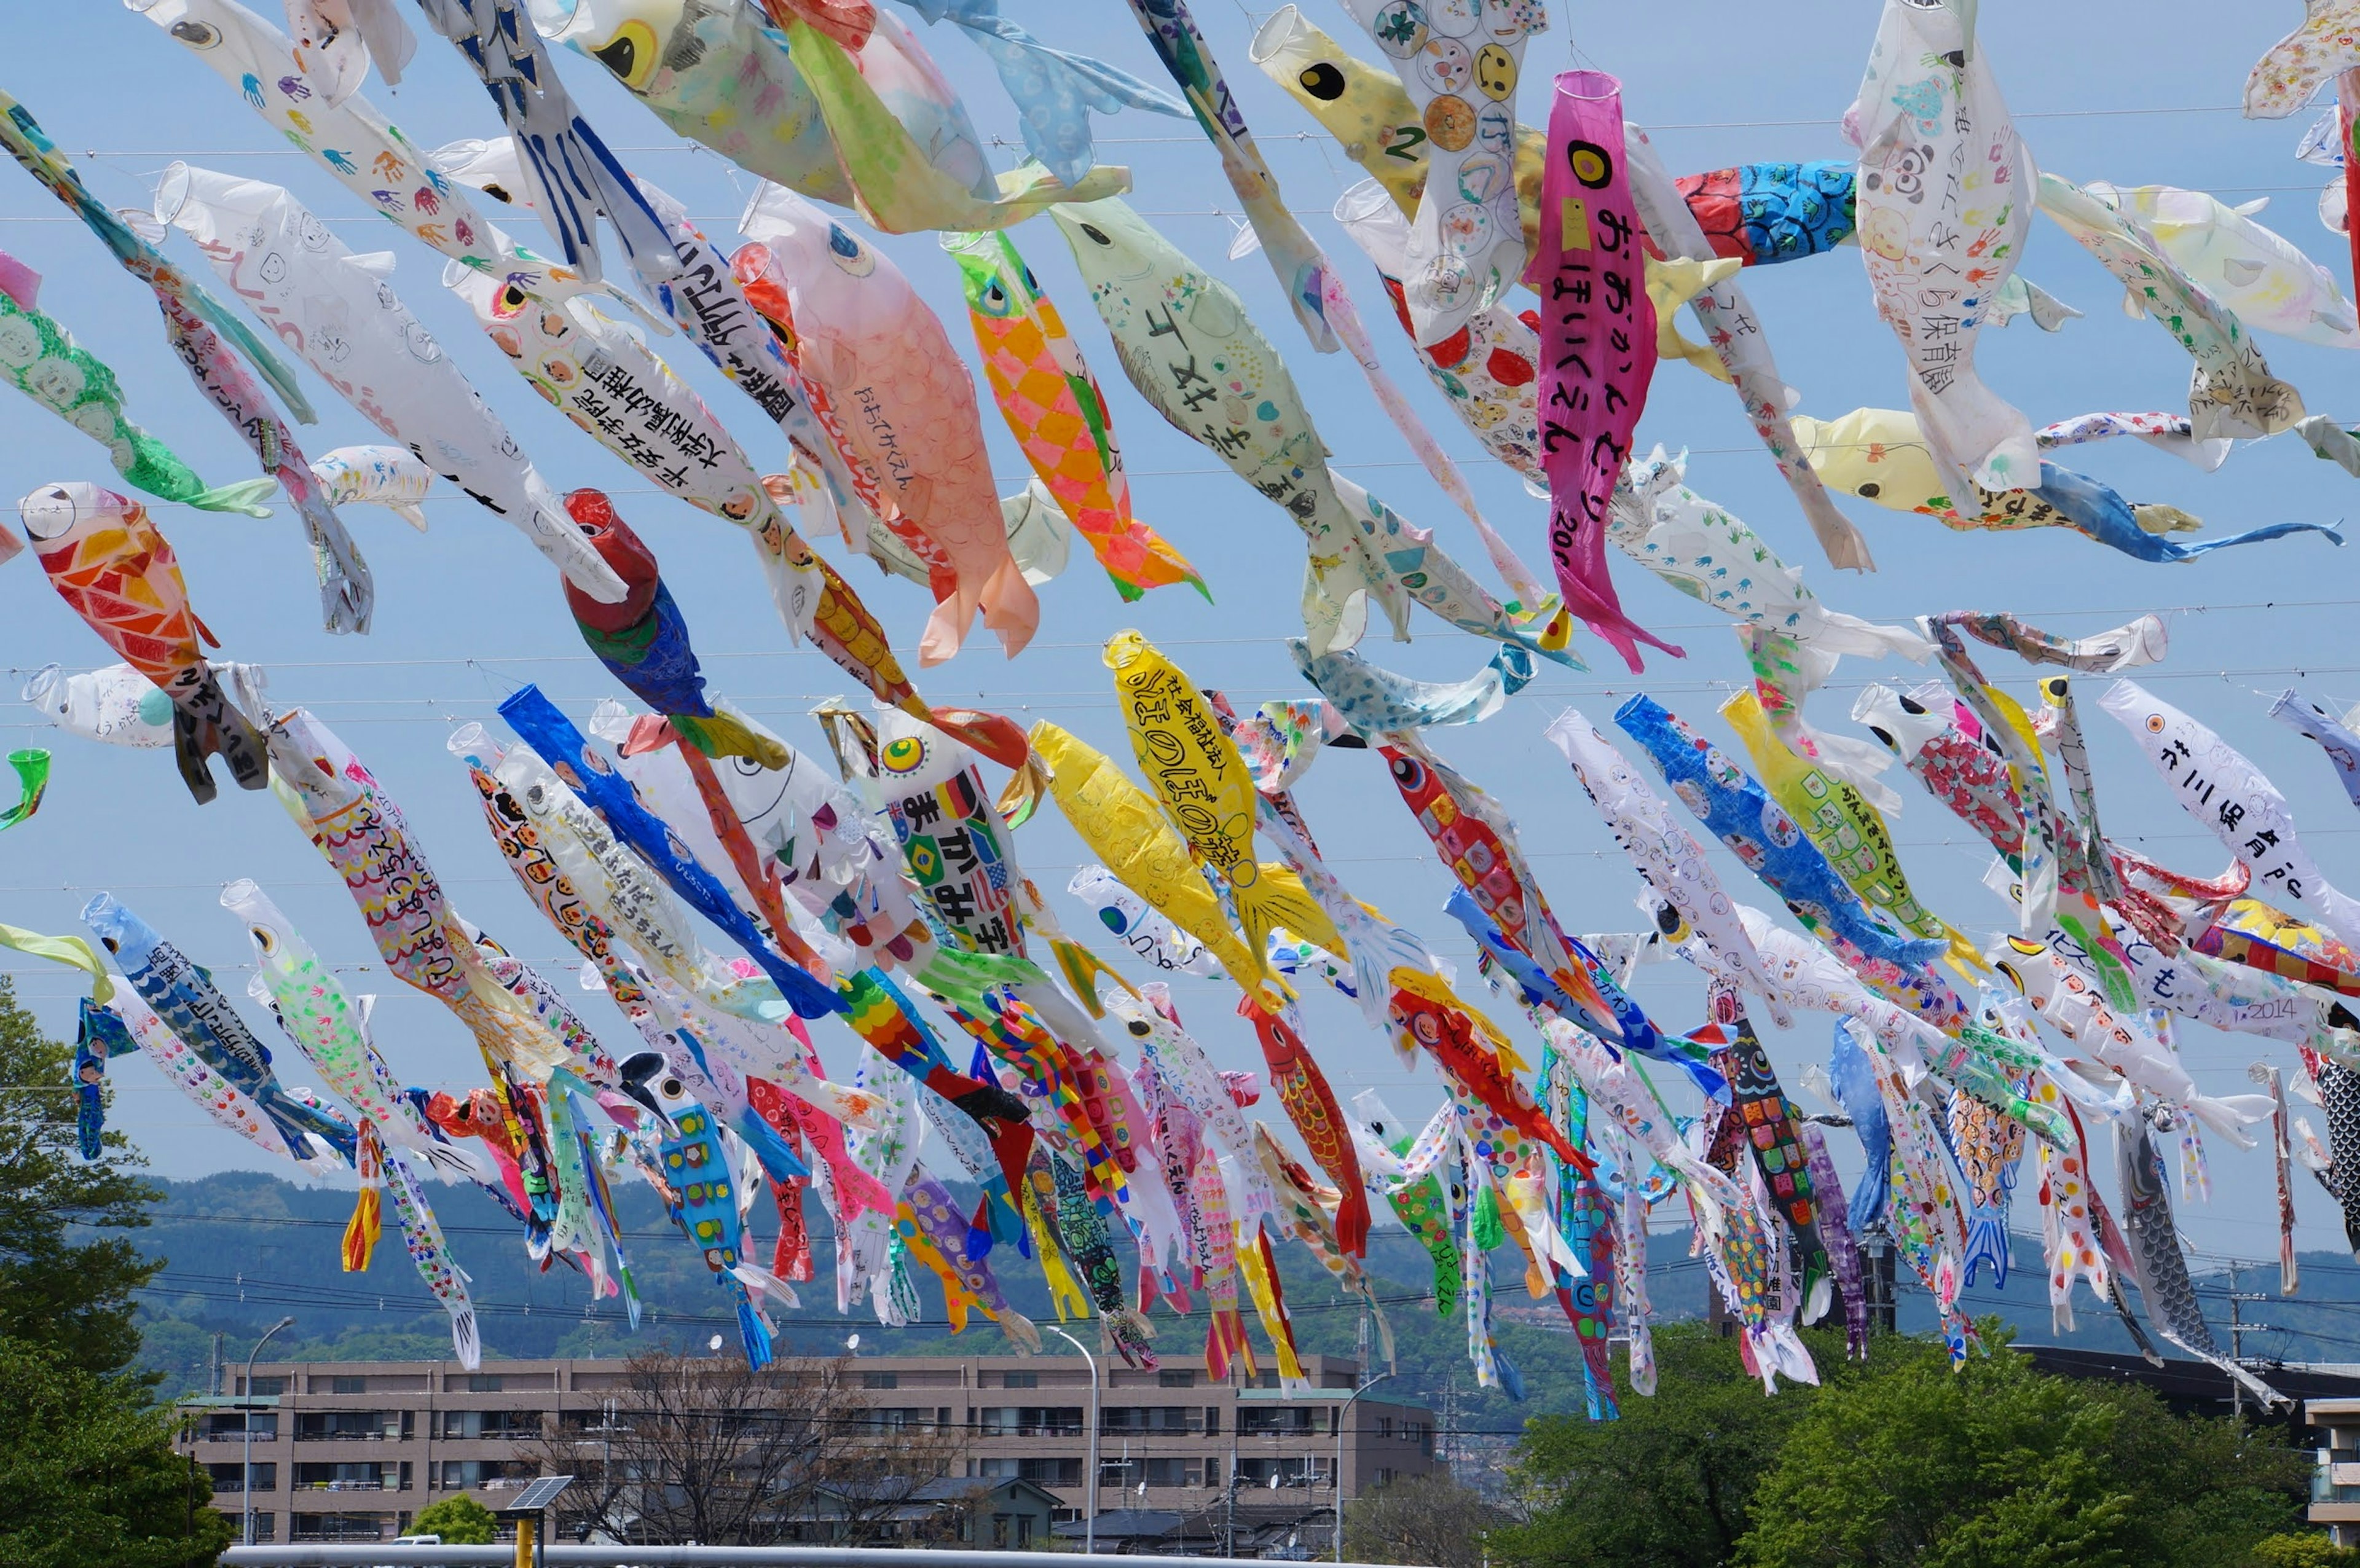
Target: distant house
(985, 1513)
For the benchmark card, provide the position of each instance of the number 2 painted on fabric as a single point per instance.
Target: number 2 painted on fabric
(1402, 142)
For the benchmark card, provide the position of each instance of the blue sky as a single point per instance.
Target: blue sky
(466, 613)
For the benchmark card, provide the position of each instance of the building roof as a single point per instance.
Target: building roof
(941, 1488)
(2198, 1386)
(1145, 1524)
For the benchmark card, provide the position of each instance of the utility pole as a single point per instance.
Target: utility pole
(1237, 1419)
(2238, 1326)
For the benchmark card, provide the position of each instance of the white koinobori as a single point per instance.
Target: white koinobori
(2218, 787)
(339, 312)
(1945, 199)
(1459, 60)
(1668, 856)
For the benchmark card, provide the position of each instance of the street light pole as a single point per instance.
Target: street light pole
(1342, 1411)
(1091, 1516)
(246, 1483)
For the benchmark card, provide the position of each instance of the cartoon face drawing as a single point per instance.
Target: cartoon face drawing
(1445, 65)
(1495, 72)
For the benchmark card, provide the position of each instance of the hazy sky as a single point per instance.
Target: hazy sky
(467, 611)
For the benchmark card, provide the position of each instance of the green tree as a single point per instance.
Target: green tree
(460, 1522)
(1668, 1484)
(66, 1275)
(1430, 1519)
(2306, 1550)
(88, 1479)
(1998, 1466)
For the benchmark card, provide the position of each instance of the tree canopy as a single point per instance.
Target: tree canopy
(1897, 1461)
(67, 1272)
(460, 1522)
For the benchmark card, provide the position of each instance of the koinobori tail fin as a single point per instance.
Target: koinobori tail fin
(1987, 1243)
(723, 734)
(205, 722)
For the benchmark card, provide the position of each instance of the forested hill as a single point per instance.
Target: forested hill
(243, 1248)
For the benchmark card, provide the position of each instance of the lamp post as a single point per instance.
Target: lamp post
(245, 1482)
(1343, 1410)
(1091, 1516)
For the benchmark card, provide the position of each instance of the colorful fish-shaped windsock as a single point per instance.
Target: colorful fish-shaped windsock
(1474, 836)
(222, 354)
(421, 1237)
(1058, 414)
(1854, 1081)
(340, 312)
(362, 833)
(702, 1196)
(313, 1007)
(1467, 239)
(643, 640)
(1910, 118)
(1311, 1105)
(185, 999)
(900, 182)
(1739, 812)
(1125, 829)
(571, 177)
(1186, 343)
(2224, 792)
(1207, 793)
(1841, 822)
(907, 406)
(1597, 345)
(1882, 455)
(116, 570)
(2232, 392)
(1669, 857)
(44, 364)
(551, 734)
(1420, 1205)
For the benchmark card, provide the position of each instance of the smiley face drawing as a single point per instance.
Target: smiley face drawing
(1495, 72)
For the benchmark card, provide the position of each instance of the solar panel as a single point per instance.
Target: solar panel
(538, 1494)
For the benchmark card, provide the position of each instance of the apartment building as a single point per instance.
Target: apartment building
(351, 1451)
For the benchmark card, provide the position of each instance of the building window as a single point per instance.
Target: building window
(1177, 1378)
(1384, 1426)
(341, 1385)
(1212, 1421)
(341, 1527)
(1030, 1420)
(1041, 1470)
(880, 1379)
(1270, 1421)
(1153, 1418)
(1298, 1470)
(1156, 1470)
(1385, 1475)
(232, 1424)
(265, 1527)
(488, 1475)
(229, 1475)
(485, 1382)
(266, 1386)
(1019, 1379)
(496, 1425)
(318, 1426)
(342, 1475)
